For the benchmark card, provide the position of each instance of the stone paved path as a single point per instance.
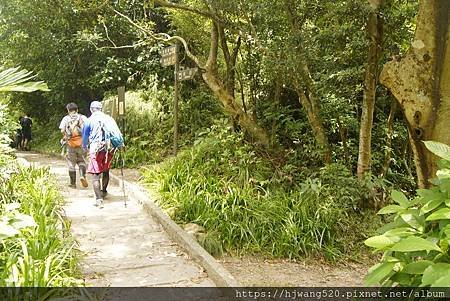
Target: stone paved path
(122, 246)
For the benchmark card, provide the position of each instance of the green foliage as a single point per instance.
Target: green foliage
(248, 205)
(7, 128)
(36, 249)
(149, 120)
(16, 80)
(47, 136)
(415, 244)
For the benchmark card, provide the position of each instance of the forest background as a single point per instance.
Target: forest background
(289, 143)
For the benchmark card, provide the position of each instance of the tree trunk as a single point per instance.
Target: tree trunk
(420, 82)
(230, 105)
(306, 87)
(374, 30)
(310, 104)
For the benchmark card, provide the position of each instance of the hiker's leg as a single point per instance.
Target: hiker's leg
(27, 138)
(107, 167)
(94, 169)
(96, 185)
(22, 143)
(82, 166)
(71, 162)
(105, 181)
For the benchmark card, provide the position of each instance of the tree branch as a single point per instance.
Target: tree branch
(211, 63)
(166, 38)
(203, 13)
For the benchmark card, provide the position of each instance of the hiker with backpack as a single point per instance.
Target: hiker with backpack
(101, 138)
(71, 127)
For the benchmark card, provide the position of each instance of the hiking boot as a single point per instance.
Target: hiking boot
(99, 203)
(84, 182)
(73, 176)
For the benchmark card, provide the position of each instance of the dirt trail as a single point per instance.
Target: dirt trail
(122, 246)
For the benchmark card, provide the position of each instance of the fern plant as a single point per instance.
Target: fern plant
(416, 242)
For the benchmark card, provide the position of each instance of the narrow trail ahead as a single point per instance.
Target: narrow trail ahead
(122, 246)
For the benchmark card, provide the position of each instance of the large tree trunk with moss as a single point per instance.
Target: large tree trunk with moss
(420, 82)
(374, 31)
(230, 105)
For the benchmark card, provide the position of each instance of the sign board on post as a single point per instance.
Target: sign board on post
(187, 73)
(121, 101)
(168, 56)
(168, 50)
(168, 60)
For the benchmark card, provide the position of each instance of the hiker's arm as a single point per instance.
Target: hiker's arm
(85, 134)
(62, 128)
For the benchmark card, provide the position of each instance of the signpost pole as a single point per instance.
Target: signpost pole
(121, 115)
(175, 103)
(121, 106)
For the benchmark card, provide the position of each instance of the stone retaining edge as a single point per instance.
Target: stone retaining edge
(214, 269)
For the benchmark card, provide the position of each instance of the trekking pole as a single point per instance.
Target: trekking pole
(121, 171)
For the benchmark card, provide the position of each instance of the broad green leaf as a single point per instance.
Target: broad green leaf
(403, 231)
(400, 198)
(442, 282)
(431, 194)
(379, 273)
(402, 278)
(413, 243)
(446, 231)
(443, 213)
(380, 241)
(22, 220)
(443, 174)
(398, 222)
(13, 79)
(431, 205)
(447, 202)
(444, 186)
(412, 218)
(433, 273)
(390, 209)
(440, 149)
(7, 231)
(417, 267)
(12, 206)
(26, 87)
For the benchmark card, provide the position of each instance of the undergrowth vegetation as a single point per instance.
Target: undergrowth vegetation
(148, 127)
(36, 247)
(415, 244)
(250, 204)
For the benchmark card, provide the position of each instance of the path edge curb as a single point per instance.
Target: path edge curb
(221, 276)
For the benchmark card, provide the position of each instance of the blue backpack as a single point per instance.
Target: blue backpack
(112, 138)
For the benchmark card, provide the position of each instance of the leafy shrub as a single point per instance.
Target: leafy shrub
(240, 199)
(415, 244)
(46, 137)
(36, 249)
(7, 129)
(149, 122)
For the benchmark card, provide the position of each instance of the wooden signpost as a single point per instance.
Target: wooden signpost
(121, 107)
(169, 57)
